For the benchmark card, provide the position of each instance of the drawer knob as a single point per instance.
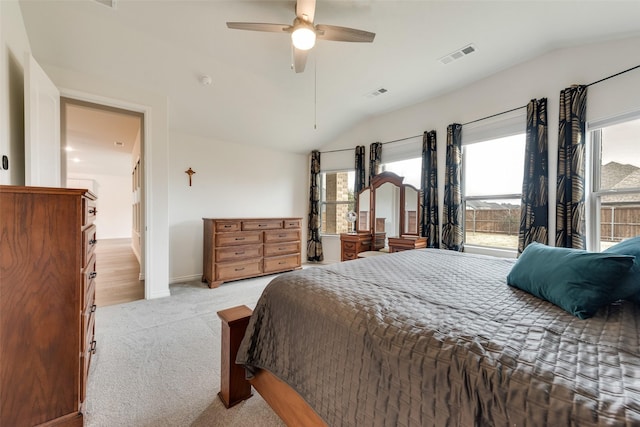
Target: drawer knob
(93, 275)
(240, 253)
(240, 269)
(92, 350)
(93, 242)
(93, 211)
(239, 238)
(282, 262)
(262, 225)
(227, 226)
(93, 308)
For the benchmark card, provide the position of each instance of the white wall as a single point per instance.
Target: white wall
(231, 181)
(13, 44)
(542, 77)
(114, 219)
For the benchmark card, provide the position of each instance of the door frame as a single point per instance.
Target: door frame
(109, 103)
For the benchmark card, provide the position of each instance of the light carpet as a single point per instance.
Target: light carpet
(158, 362)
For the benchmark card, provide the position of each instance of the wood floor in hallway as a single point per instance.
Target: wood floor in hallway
(118, 271)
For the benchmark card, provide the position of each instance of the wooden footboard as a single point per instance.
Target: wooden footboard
(234, 388)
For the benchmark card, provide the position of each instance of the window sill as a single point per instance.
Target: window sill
(486, 250)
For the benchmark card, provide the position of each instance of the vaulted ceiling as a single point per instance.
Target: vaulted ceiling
(255, 98)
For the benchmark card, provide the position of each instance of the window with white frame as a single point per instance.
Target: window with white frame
(336, 200)
(613, 205)
(493, 168)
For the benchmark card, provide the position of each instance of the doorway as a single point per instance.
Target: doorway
(102, 151)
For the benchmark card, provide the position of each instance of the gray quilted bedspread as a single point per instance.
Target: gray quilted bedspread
(437, 338)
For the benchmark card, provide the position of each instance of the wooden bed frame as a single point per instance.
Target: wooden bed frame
(234, 387)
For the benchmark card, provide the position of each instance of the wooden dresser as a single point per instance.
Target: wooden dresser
(351, 244)
(47, 271)
(405, 243)
(249, 247)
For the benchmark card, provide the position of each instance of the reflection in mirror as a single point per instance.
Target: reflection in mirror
(387, 210)
(364, 200)
(410, 210)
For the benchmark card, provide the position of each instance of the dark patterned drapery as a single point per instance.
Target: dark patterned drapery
(570, 225)
(375, 159)
(314, 241)
(360, 170)
(534, 211)
(452, 235)
(429, 223)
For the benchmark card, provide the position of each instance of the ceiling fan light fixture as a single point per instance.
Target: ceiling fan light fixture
(303, 37)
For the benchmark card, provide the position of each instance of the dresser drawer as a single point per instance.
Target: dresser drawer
(274, 249)
(88, 243)
(89, 211)
(280, 263)
(88, 321)
(267, 224)
(349, 246)
(292, 223)
(230, 271)
(88, 281)
(222, 226)
(232, 239)
(281, 236)
(235, 253)
(349, 256)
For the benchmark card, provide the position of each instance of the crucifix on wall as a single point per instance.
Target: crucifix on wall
(190, 172)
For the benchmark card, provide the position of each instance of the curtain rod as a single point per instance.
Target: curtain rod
(613, 75)
(388, 142)
(494, 115)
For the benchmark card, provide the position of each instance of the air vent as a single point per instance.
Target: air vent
(118, 143)
(376, 92)
(108, 3)
(460, 53)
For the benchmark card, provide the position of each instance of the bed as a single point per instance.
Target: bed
(436, 338)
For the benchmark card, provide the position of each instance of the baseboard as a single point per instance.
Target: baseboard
(182, 279)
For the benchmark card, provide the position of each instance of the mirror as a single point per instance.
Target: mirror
(411, 210)
(364, 201)
(387, 209)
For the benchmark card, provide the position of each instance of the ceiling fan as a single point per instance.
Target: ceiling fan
(304, 33)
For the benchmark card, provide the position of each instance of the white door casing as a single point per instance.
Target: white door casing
(42, 127)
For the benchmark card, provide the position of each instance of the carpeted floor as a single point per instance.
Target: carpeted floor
(158, 362)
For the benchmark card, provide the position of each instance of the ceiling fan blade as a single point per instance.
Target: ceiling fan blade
(343, 34)
(299, 59)
(256, 26)
(306, 9)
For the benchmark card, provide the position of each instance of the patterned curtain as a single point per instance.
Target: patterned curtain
(570, 226)
(429, 220)
(375, 158)
(534, 213)
(452, 236)
(360, 172)
(314, 242)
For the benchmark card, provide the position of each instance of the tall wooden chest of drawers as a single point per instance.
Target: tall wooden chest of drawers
(249, 247)
(47, 271)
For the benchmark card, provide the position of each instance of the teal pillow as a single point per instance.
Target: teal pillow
(578, 281)
(629, 287)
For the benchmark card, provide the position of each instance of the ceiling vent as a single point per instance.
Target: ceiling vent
(460, 53)
(108, 3)
(376, 92)
(118, 143)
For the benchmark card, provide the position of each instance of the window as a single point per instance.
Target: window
(492, 188)
(336, 200)
(613, 208)
(410, 169)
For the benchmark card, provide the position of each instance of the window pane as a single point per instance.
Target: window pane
(410, 169)
(620, 164)
(619, 218)
(337, 200)
(494, 167)
(493, 223)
